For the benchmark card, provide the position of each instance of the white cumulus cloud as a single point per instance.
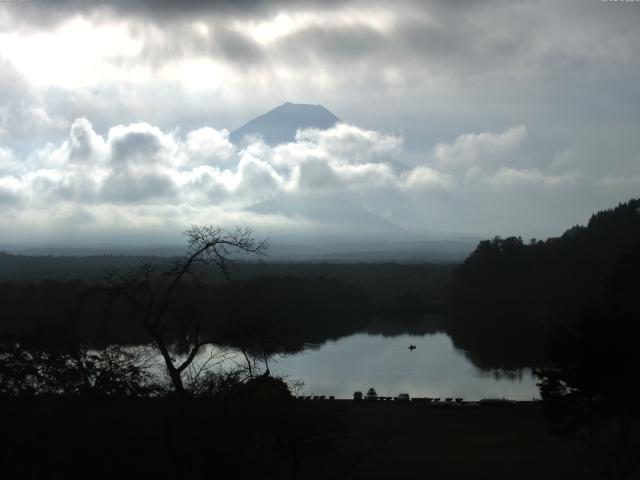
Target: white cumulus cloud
(472, 149)
(139, 178)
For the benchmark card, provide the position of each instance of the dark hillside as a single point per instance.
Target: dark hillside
(507, 294)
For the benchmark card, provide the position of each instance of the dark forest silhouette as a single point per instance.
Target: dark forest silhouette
(507, 295)
(307, 304)
(591, 387)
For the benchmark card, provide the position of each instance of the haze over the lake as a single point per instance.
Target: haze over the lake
(456, 119)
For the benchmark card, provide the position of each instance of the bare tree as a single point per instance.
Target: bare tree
(254, 338)
(152, 291)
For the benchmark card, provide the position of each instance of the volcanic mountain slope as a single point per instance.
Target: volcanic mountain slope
(280, 124)
(329, 212)
(331, 222)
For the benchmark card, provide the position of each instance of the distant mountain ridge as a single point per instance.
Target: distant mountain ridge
(280, 124)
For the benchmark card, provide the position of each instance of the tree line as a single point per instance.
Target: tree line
(508, 294)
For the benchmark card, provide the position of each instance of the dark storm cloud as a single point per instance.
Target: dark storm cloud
(334, 43)
(235, 46)
(412, 41)
(442, 36)
(181, 41)
(50, 12)
(472, 48)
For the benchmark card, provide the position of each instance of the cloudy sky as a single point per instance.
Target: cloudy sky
(510, 117)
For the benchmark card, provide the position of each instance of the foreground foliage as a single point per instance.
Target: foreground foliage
(592, 387)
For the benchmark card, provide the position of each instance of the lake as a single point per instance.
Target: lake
(434, 369)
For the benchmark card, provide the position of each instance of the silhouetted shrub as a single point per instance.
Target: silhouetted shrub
(33, 369)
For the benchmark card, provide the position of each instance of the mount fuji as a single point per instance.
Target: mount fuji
(280, 124)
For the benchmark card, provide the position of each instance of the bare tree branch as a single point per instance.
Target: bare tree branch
(153, 291)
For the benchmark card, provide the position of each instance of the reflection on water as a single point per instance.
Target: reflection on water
(433, 369)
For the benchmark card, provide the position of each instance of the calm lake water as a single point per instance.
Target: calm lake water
(434, 369)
